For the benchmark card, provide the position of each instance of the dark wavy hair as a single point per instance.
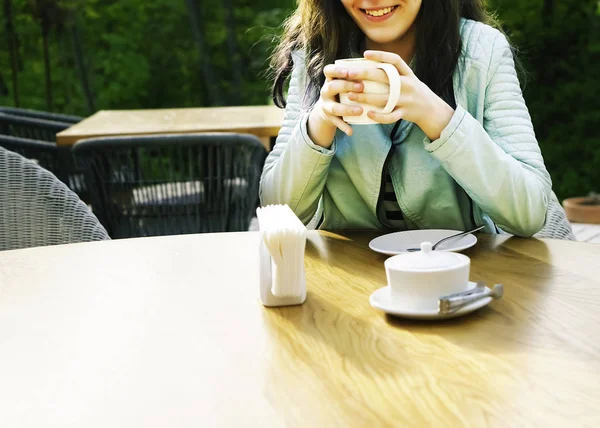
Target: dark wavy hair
(325, 32)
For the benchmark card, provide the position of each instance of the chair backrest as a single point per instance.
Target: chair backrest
(173, 184)
(37, 114)
(557, 225)
(37, 209)
(31, 128)
(58, 160)
(43, 153)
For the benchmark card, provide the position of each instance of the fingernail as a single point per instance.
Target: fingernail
(357, 86)
(356, 110)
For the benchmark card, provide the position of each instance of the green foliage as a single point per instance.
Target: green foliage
(256, 27)
(141, 54)
(559, 45)
(138, 54)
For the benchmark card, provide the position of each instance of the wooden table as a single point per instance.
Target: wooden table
(262, 121)
(169, 332)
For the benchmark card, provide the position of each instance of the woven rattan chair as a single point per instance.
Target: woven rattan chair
(557, 225)
(37, 209)
(32, 137)
(43, 153)
(172, 184)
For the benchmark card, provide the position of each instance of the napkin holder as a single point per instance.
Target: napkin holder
(267, 298)
(282, 281)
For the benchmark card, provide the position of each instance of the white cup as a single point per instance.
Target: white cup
(372, 88)
(417, 280)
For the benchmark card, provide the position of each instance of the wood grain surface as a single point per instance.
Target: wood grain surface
(262, 121)
(169, 332)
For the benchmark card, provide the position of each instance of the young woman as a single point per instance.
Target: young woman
(459, 149)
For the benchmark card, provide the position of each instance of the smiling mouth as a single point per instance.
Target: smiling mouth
(379, 12)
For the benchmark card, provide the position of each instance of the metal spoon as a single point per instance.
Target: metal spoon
(479, 288)
(450, 304)
(458, 235)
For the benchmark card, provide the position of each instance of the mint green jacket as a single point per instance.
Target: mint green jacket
(486, 167)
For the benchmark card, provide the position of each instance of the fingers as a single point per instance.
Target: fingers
(332, 71)
(377, 100)
(325, 110)
(341, 125)
(372, 74)
(336, 83)
(333, 108)
(392, 117)
(335, 87)
(390, 58)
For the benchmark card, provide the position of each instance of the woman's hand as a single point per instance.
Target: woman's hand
(326, 115)
(417, 103)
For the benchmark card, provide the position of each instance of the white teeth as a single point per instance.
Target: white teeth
(379, 12)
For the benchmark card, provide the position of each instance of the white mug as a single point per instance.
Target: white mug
(372, 88)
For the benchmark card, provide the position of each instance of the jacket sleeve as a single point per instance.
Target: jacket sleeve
(499, 163)
(296, 169)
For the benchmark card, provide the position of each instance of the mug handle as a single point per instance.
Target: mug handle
(395, 86)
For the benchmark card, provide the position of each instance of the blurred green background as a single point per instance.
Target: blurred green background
(80, 56)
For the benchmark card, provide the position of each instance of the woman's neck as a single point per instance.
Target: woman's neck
(405, 46)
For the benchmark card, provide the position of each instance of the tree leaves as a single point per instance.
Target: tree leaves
(560, 54)
(142, 54)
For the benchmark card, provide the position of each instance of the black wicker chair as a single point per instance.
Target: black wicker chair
(172, 184)
(37, 114)
(32, 128)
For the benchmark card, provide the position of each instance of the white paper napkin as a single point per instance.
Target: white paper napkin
(284, 236)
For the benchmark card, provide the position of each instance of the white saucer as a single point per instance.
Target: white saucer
(398, 242)
(382, 299)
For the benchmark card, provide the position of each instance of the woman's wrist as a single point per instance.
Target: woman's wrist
(437, 119)
(320, 130)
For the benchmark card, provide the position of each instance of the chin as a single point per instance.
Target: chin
(384, 37)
